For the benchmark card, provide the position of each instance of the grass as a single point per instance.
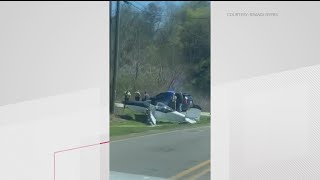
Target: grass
(126, 123)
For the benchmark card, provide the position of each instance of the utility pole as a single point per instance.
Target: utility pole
(115, 59)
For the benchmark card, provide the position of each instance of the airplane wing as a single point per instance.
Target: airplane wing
(142, 107)
(162, 112)
(137, 106)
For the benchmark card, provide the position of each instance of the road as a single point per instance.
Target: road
(177, 155)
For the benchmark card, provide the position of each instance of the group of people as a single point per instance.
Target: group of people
(137, 96)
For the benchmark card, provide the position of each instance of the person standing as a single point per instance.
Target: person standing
(137, 96)
(174, 100)
(127, 95)
(146, 96)
(179, 102)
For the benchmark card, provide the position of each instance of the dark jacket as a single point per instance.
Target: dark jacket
(179, 98)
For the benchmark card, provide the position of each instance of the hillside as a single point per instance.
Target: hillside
(164, 47)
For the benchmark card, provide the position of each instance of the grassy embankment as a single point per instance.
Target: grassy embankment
(126, 124)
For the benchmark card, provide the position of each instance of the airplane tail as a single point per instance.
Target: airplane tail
(193, 114)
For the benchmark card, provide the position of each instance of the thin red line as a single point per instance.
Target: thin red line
(81, 147)
(104, 142)
(54, 154)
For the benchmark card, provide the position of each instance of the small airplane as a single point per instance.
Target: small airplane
(161, 112)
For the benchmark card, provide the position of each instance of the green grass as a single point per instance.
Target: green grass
(125, 124)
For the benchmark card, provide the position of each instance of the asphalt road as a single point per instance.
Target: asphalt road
(178, 155)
